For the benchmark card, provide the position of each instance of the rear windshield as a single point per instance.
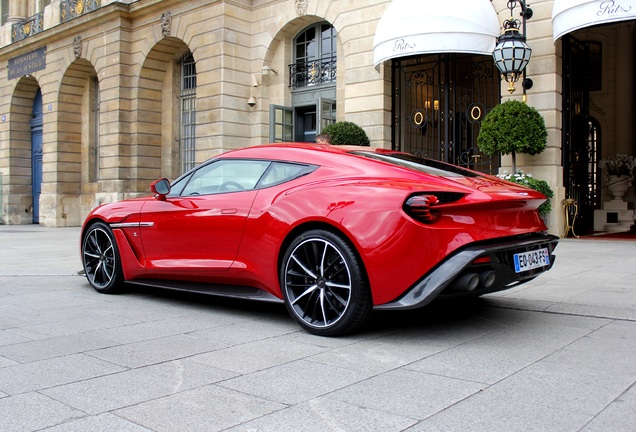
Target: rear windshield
(417, 163)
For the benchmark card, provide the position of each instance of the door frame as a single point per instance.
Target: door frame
(36, 123)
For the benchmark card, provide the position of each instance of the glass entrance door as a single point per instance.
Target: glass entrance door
(581, 134)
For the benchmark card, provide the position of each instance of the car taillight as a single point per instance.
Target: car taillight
(419, 208)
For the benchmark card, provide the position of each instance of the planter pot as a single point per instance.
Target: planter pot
(618, 186)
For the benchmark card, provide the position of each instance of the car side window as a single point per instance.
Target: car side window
(280, 172)
(226, 175)
(178, 185)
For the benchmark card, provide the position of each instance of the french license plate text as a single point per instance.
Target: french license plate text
(531, 260)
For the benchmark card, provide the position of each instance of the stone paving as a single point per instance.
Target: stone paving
(557, 354)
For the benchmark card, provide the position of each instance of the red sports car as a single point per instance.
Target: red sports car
(331, 231)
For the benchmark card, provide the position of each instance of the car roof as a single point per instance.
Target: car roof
(299, 151)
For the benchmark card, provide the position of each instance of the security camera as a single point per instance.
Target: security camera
(251, 101)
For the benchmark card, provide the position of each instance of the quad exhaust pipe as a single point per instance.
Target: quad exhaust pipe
(472, 281)
(466, 282)
(487, 278)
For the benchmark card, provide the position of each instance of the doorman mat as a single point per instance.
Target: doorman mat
(624, 235)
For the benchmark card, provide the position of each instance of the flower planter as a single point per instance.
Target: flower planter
(618, 186)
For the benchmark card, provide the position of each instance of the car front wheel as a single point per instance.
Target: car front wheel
(324, 284)
(101, 260)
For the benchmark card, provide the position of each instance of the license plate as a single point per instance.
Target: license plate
(531, 260)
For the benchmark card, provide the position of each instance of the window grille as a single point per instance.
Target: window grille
(94, 141)
(187, 111)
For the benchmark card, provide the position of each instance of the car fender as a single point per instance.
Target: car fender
(366, 223)
(124, 220)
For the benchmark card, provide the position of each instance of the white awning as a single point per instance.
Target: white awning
(570, 15)
(411, 27)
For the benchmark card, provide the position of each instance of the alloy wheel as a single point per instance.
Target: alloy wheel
(318, 283)
(100, 258)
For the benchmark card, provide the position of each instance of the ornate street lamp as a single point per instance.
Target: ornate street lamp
(512, 53)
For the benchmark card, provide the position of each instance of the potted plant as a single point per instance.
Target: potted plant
(619, 165)
(510, 128)
(347, 133)
(619, 172)
(539, 185)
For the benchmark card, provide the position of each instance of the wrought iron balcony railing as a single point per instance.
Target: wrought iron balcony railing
(70, 9)
(30, 26)
(312, 73)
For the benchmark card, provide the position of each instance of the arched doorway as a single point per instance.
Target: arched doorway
(599, 110)
(598, 117)
(439, 101)
(444, 79)
(313, 76)
(36, 154)
(164, 132)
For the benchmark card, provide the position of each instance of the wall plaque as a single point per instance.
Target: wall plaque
(27, 63)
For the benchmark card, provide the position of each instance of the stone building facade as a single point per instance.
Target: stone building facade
(99, 98)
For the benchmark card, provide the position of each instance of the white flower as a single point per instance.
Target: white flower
(619, 165)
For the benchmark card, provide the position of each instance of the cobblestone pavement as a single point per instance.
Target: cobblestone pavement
(557, 354)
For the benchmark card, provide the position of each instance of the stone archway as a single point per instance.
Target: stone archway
(66, 188)
(154, 152)
(18, 198)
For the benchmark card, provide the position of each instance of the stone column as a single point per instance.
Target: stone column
(624, 91)
(17, 11)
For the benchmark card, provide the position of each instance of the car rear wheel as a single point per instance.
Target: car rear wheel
(324, 285)
(101, 260)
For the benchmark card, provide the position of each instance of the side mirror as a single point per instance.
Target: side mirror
(161, 188)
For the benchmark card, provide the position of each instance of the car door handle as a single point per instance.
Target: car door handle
(229, 211)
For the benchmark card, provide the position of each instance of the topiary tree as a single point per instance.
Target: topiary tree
(510, 128)
(347, 133)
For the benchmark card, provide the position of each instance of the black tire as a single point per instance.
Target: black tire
(100, 256)
(324, 284)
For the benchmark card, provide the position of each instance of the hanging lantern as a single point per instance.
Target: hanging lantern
(512, 53)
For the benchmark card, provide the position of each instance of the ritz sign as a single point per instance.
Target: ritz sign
(27, 63)
(402, 45)
(611, 8)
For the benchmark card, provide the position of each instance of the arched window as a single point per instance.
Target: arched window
(313, 87)
(314, 57)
